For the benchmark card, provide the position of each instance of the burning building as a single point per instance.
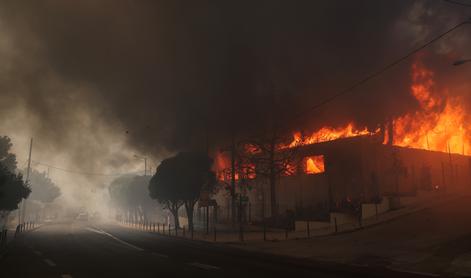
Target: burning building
(336, 169)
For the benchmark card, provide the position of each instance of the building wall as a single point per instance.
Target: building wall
(358, 169)
(364, 169)
(307, 192)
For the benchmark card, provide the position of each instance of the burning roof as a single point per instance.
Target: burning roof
(439, 125)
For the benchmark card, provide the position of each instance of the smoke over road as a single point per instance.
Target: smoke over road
(96, 82)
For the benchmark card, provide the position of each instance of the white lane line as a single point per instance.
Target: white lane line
(94, 230)
(204, 266)
(159, 255)
(49, 262)
(414, 272)
(66, 276)
(37, 253)
(99, 231)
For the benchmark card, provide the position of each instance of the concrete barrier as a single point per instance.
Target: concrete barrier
(371, 210)
(301, 226)
(338, 219)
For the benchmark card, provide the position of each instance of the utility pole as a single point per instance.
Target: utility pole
(233, 182)
(145, 166)
(28, 170)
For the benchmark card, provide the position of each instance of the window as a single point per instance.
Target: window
(314, 164)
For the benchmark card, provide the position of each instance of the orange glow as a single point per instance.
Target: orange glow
(290, 170)
(315, 164)
(249, 171)
(439, 125)
(220, 165)
(326, 134)
(251, 149)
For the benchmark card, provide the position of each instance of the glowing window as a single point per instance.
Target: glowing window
(314, 164)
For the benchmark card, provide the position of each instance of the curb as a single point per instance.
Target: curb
(4, 251)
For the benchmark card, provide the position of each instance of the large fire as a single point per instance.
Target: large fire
(328, 134)
(439, 125)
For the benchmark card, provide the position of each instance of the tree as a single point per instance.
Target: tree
(130, 195)
(138, 196)
(12, 187)
(7, 159)
(271, 158)
(238, 173)
(43, 189)
(12, 190)
(117, 191)
(179, 180)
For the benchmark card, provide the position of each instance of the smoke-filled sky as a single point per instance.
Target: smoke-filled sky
(95, 82)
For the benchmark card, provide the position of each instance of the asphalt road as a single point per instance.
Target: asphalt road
(86, 250)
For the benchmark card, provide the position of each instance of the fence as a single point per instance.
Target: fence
(3, 239)
(26, 226)
(225, 233)
(20, 228)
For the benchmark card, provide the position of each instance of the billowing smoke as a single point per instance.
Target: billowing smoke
(163, 76)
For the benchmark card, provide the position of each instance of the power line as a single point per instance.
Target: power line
(458, 3)
(380, 71)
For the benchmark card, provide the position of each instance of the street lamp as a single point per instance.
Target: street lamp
(145, 162)
(460, 62)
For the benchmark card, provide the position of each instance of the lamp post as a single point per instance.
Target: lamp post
(145, 163)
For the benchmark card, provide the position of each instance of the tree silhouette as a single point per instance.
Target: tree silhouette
(43, 189)
(7, 159)
(12, 190)
(138, 196)
(12, 187)
(270, 158)
(179, 180)
(130, 195)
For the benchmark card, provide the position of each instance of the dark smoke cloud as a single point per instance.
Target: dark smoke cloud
(169, 74)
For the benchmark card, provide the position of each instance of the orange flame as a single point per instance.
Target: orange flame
(439, 125)
(315, 164)
(326, 134)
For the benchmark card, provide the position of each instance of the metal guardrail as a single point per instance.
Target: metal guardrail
(24, 227)
(3, 238)
(21, 228)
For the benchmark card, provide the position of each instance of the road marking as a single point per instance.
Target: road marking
(66, 276)
(159, 255)
(99, 231)
(37, 253)
(204, 266)
(414, 272)
(49, 262)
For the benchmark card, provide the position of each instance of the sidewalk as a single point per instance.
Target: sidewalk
(421, 237)
(11, 236)
(251, 233)
(433, 238)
